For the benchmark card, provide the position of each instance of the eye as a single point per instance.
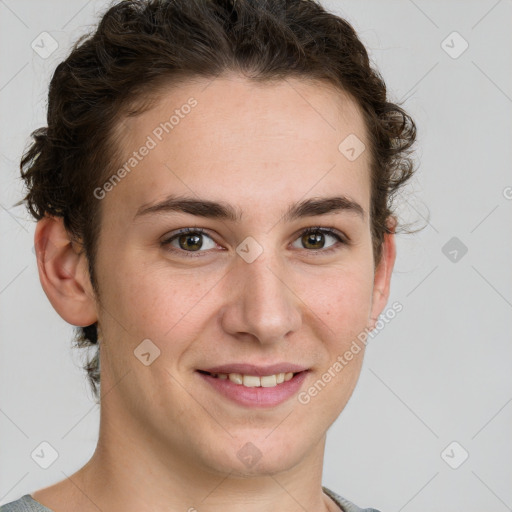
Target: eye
(314, 239)
(189, 240)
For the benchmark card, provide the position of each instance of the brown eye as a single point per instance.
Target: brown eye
(189, 240)
(315, 239)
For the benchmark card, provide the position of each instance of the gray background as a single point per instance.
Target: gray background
(438, 373)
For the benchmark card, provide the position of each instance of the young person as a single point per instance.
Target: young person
(213, 196)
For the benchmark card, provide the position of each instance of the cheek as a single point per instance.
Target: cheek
(156, 303)
(160, 303)
(345, 308)
(345, 303)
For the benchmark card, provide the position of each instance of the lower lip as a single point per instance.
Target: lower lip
(257, 396)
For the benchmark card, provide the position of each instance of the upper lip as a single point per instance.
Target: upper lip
(250, 369)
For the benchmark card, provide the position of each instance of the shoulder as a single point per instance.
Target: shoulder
(25, 504)
(344, 504)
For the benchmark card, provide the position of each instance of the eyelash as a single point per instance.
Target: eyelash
(343, 240)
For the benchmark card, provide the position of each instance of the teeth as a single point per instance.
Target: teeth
(253, 381)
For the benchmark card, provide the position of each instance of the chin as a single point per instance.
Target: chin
(259, 457)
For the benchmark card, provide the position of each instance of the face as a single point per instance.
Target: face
(248, 284)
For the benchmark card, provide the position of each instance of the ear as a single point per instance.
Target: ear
(382, 277)
(63, 272)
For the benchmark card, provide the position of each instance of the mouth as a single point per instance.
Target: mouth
(254, 387)
(254, 381)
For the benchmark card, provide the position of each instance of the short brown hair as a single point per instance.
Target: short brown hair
(141, 45)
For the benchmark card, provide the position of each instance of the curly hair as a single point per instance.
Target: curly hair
(142, 46)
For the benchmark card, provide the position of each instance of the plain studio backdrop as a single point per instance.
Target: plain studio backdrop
(428, 426)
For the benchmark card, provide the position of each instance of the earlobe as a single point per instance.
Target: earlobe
(382, 278)
(63, 272)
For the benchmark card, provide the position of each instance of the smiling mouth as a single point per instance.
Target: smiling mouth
(254, 381)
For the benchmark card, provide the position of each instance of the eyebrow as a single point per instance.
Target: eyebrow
(224, 211)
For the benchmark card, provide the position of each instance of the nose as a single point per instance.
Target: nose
(262, 302)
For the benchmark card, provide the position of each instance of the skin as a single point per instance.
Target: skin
(167, 441)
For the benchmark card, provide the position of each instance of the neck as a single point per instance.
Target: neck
(130, 471)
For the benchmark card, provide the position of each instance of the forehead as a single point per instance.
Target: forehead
(250, 141)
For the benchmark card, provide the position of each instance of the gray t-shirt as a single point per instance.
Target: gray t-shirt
(28, 504)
